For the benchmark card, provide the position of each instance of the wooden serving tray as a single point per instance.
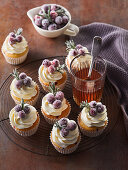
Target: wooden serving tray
(40, 143)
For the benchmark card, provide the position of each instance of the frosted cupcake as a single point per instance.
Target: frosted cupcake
(24, 119)
(15, 48)
(52, 71)
(54, 105)
(93, 118)
(65, 136)
(24, 87)
(74, 50)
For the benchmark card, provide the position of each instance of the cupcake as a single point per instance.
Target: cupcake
(52, 71)
(24, 87)
(15, 48)
(75, 50)
(93, 118)
(65, 136)
(54, 105)
(24, 119)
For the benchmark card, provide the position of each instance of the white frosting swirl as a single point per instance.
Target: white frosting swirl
(63, 142)
(26, 122)
(47, 77)
(82, 61)
(25, 92)
(96, 121)
(17, 48)
(49, 109)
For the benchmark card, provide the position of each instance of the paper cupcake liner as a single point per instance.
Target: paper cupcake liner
(52, 121)
(66, 63)
(27, 132)
(31, 101)
(15, 61)
(66, 150)
(91, 133)
(46, 88)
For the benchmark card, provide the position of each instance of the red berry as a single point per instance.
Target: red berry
(21, 114)
(81, 51)
(19, 38)
(79, 46)
(55, 63)
(53, 14)
(63, 122)
(27, 81)
(71, 125)
(12, 34)
(93, 112)
(52, 27)
(51, 69)
(18, 108)
(73, 52)
(64, 132)
(100, 108)
(27, 109)
(57, 104)
(22, 76)
(19, 84)
(58, 20)
(65, 19)
(93, 103)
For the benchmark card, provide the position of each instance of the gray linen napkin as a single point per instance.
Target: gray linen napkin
(115, 52)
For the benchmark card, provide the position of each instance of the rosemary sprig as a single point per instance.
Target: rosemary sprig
(60, 12)
(15, 74)
(46, 16)
(70, 45)
(52, 88)
(84, 104)
(60, 67)
(22, 104)
(19, 31)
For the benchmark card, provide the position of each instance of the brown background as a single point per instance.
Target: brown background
(113, 151)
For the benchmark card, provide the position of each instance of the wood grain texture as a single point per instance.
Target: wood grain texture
(113, 151)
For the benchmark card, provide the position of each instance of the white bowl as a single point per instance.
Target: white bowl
(68, 29)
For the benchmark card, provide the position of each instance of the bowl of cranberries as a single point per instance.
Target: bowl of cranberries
(52, 20)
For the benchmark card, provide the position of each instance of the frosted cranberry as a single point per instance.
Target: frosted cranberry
(21, 114)
(38, 21)
(50, 98)
(12, 34)
(53, 14)
(27, 81)
(51, 69)
(41, 12)
(57, 104)
(93, 103)
(19, 84)
(63, 122)
(12, 40)
(45, 22)
(27, 109)
(93, 112)
(55, 63)
(45, 8)
(46, 63)
(65, 19)
(52, 27)
(81, 52)
(19, 38)
(58, 20)
(18, 108)
(79, 46)
(44, 27)
(54, 7)
(73, 52)
(100, 108)
(22, 76)
(37, 17)
(64, 132)
(71, 125)
(59, 95)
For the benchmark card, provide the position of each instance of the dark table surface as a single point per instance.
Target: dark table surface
(112, 152)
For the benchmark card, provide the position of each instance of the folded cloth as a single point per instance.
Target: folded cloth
(115, 51)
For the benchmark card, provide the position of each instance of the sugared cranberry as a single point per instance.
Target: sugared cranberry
(18, 108)
(57, 104)
(38, 22)
(19, 84)
(27, 109)
(51, 69)
(71, 125)
(55, 63)
(58, 20)
(27, 81)
(63, 122)
(12, 34)
(46, 63)
(73, 52)
(53, 14)
(81, 52)
(22, 76)
(65, 19)
(64, 132)
(93, 112)
(100, 108)
(21, 114)
(45, 8)
(45, 22)
(93, 103)
(52, 27)
(79, 46)
(50, 98)
(19, 38)
(54, 7)
(59, 95)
